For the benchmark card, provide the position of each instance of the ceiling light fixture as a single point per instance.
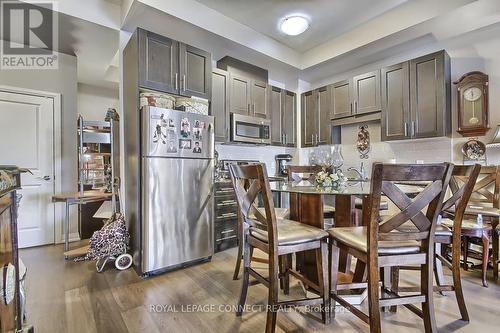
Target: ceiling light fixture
(294, 25)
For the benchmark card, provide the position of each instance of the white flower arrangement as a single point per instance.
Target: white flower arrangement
(335, 179)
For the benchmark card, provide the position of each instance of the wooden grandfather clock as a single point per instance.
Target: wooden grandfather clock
(473, 104)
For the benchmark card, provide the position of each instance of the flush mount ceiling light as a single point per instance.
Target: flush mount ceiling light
(294, 25)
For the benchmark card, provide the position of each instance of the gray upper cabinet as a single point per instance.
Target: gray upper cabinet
(416, 98)
(220, 104)
(366, 91)
(258, 97)
(170, 66)
(195, 71)
(309, 119)
(396, 102)
(341, 105)
(324, 113)
(289, 118)
(282, 108)
(158, 62)
(239, 94)
(430, 90)
(276, 110)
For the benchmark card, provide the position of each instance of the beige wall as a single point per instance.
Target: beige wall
(93, 101)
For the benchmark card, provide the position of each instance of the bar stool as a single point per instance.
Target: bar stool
(262, 231)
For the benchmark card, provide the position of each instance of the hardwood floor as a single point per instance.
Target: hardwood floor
(72, 297)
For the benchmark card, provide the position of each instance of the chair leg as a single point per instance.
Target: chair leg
(394, 286)
(247, 258)
(286, 279)
(466, 253)
(272, 310)
(322, 268)
(438, 268)
(386, 284)
(373, 296)
(240, 251)
(333, 268)
(457, 280)
(494, 256)
(427, 289)
(486, 249)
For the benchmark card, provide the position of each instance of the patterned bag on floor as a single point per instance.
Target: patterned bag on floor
(111, 240)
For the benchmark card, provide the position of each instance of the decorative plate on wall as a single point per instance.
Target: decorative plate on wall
(474, 149)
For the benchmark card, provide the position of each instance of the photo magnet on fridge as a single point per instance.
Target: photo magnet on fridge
(184, 144)
(171, 147)
(185, 128)
(197, 147)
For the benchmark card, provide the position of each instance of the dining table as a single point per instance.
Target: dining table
(306, 206)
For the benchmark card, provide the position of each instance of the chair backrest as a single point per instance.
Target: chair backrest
(462, 184)
(250, 182)
(487, 188)
(417, 225)
(294, 171)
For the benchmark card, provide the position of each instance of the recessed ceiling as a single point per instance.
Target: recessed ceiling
(328, 18)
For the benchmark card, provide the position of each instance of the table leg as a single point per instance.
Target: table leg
(494, 238)
(308, 209)
(66, 230)
(344, 207)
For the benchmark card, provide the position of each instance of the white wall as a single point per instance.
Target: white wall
(93, 101)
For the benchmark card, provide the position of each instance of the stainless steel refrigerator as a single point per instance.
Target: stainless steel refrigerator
(176, 200)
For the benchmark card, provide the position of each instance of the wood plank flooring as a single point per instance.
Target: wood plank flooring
(72, 297)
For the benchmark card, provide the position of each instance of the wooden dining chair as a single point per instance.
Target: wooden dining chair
(381, 244)
(484, 200)
(276, 240)
(449, 232)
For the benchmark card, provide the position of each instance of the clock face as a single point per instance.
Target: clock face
(472, 94)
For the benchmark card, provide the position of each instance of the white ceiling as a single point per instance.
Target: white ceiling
(328, 18)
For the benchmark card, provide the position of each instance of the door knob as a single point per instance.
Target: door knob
(46, 178)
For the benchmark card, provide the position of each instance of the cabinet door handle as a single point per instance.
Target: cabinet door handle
(406, 129)
(355, 106)
(184, 82)
(351, 108)
(249, 110)
(413, 128)
(286, 140)
(176, 81)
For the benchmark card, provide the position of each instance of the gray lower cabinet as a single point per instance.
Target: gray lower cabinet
(324, 135)
(282, 109)
(220, 104)
(309, 118)
(341, 104)
(430, 94)
(396, 102)
(366, 92)
(195, 71)
(170, 66)
(416, 99)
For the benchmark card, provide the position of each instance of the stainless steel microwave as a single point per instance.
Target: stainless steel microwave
(249, 129)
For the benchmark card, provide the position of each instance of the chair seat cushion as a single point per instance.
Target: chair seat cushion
(475, 209)
(327, 209)
(291, 233)
(356, 237)
(466, 224)
(358, 203)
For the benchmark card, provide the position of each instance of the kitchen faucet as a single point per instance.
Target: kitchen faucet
(361, 172)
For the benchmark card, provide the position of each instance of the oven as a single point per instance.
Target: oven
(247, 129)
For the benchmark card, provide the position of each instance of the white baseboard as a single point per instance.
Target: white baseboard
(73, 237)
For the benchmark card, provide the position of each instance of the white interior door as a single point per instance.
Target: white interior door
(27, 140)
